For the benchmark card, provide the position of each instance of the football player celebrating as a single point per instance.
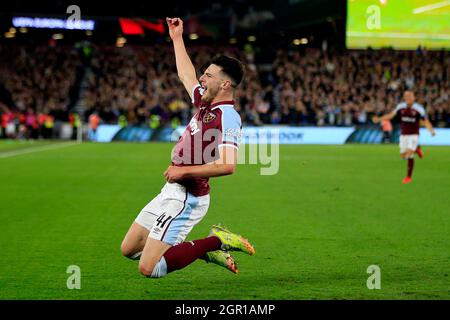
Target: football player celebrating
(411, 115)
(207, 148)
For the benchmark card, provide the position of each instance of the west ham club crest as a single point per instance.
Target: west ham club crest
(209, 117)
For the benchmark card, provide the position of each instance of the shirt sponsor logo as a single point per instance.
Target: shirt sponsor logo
(408, 119)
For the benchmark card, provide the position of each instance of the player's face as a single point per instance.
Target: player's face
(409, 98)
(210, 81)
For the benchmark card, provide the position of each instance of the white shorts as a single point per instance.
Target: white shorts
(408, 141)
(172, 214)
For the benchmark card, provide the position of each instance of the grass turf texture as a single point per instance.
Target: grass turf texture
(12, 145)
(329, 213)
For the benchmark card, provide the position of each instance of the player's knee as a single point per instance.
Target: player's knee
(125, 249)
(151, 270)
(409, 154)
(146, 269)
(129, 251)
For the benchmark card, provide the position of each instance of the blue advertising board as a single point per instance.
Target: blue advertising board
(272, 134)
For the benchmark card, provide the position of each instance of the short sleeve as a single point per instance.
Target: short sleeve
(197, 93)
(231, 128)
(421, 110)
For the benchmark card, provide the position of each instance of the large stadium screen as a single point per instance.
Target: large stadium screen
(401, 24)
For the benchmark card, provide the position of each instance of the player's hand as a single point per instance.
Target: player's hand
(175, 27)
(174, 174)
(433, 133)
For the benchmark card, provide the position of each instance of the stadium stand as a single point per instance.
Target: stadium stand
(43, 85)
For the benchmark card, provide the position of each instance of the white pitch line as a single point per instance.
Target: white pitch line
(37, 149)
(431, 7)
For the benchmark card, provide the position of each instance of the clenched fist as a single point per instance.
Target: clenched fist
(175, 27)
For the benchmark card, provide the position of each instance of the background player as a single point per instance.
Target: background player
(411, 115)
(157, 235)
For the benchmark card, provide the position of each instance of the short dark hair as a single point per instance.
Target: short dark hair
(232, 67)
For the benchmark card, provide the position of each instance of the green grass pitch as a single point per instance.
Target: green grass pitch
(329, 213)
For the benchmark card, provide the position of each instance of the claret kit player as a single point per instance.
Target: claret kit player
(411, 115)
(208, 148)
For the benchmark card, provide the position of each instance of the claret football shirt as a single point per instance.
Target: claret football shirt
(213, 126)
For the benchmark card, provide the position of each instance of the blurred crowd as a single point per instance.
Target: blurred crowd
(139, 85)
(36, 86)
(348, 88)
(310, 88)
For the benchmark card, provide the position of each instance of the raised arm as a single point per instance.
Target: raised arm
(185, 68)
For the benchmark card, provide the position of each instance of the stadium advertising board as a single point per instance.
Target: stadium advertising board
(282, 135)
(52, 23)
(297, 135)
(105, 133)
(278, 134)
(442, 137)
